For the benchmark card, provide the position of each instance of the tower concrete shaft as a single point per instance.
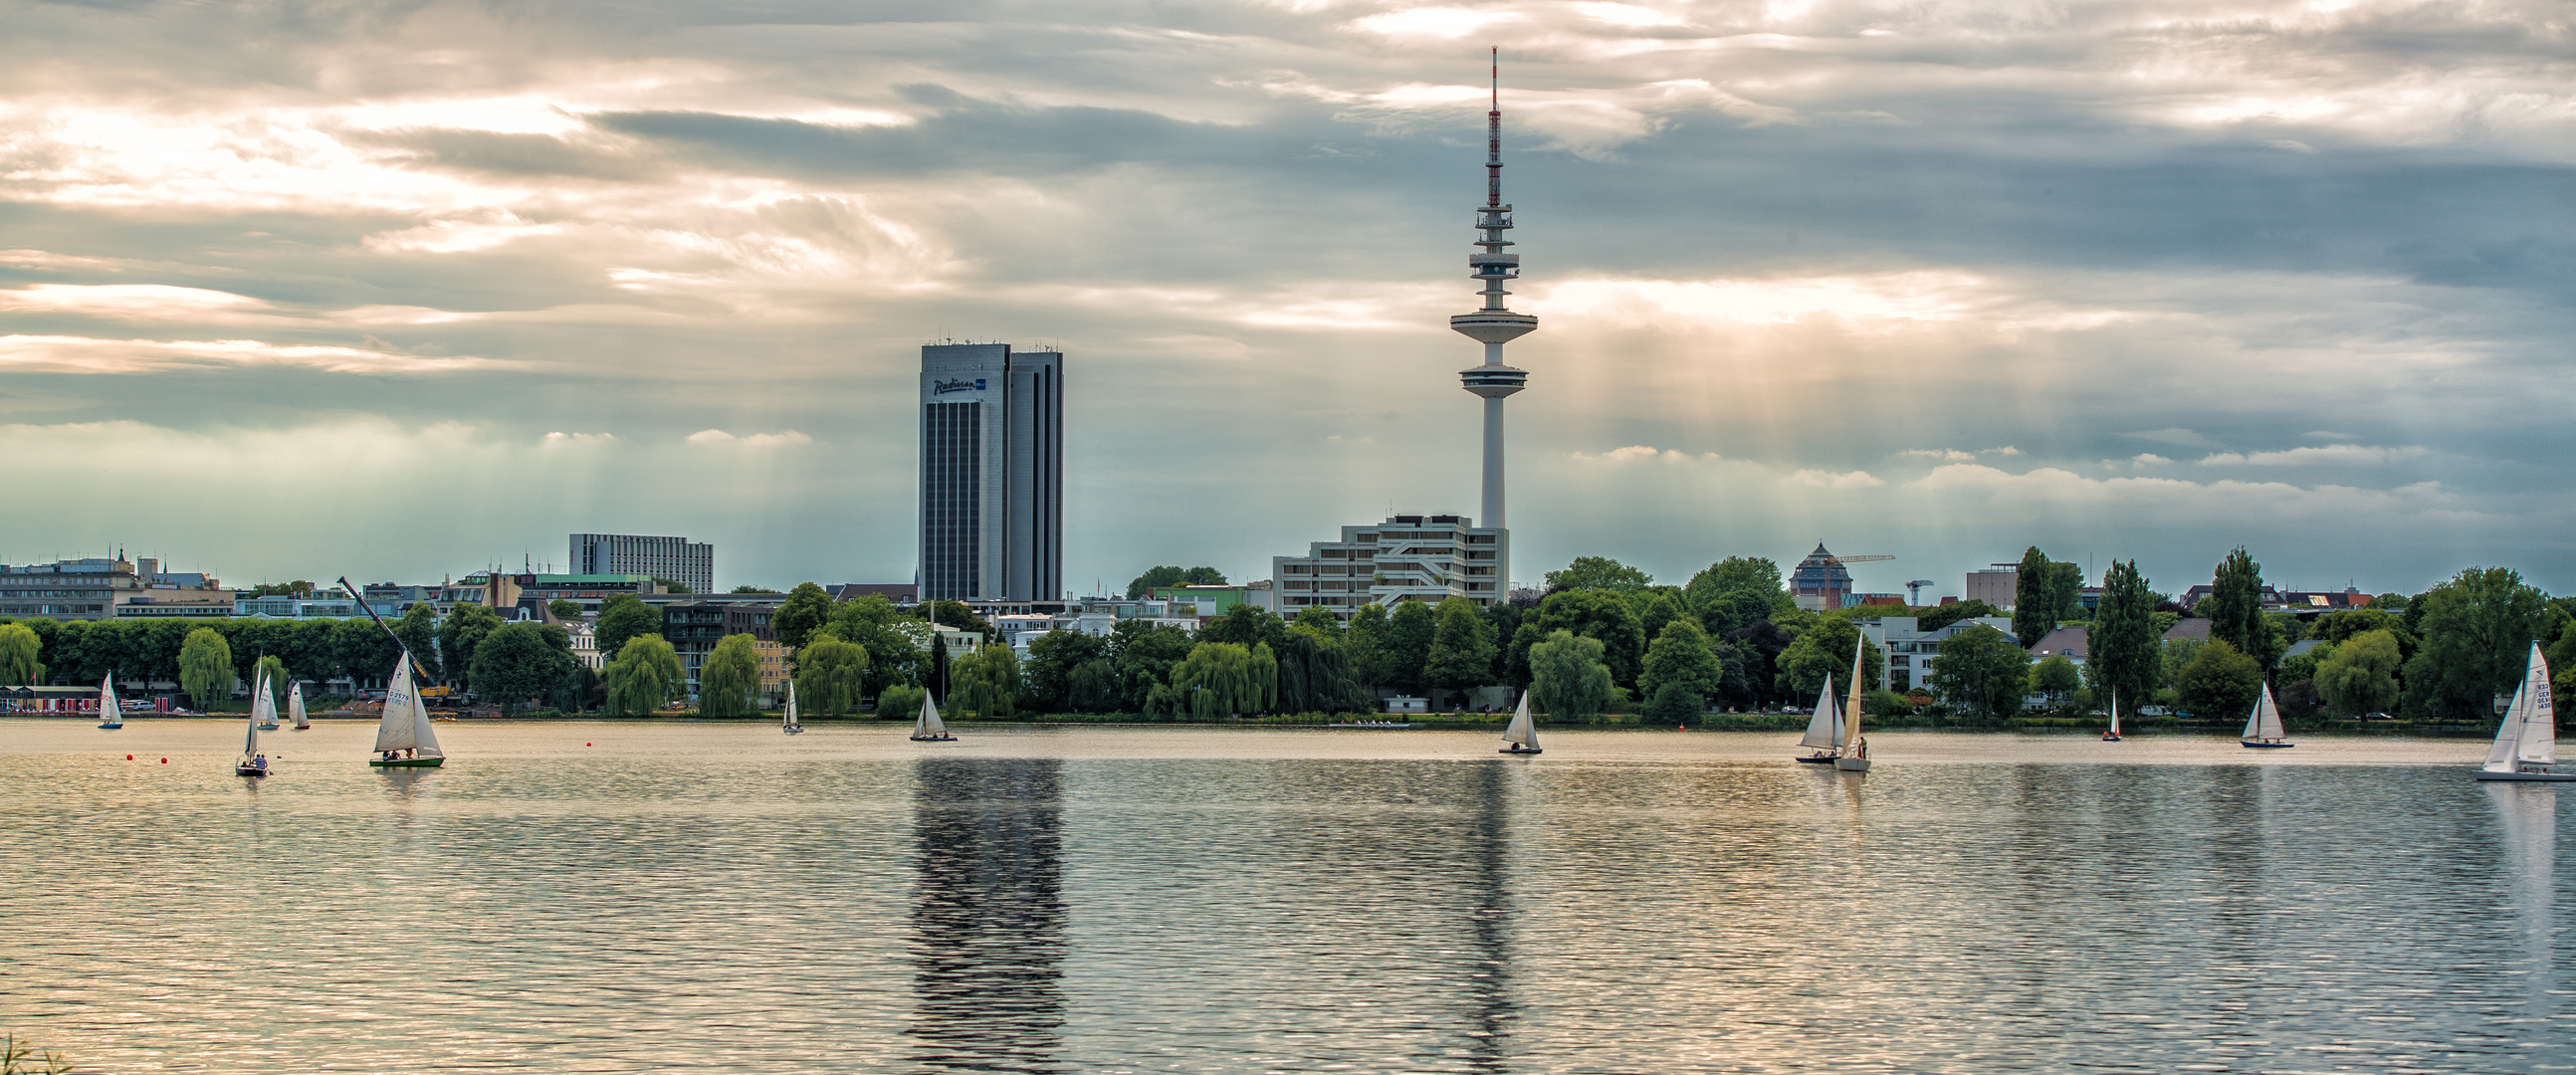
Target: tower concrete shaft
(1494, 325)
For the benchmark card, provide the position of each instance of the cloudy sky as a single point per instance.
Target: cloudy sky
(291, 290)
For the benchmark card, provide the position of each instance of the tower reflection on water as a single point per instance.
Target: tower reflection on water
(988, 915)
(1490, 913)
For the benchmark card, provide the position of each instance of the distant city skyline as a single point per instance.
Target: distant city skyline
(400, 294)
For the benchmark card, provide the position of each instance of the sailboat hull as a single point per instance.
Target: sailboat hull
(2110, 739)
(2535, 777)
(1517, 749)
(270, 727)
(2251, 745)
(244, 770)
(1852, 765)
(406, 763)
(934, 739)
(1817, 759)
(112, 725)
(795, 731)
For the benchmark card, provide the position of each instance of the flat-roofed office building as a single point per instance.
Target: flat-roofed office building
(1428, 558)
(675, 558)
(992, 473)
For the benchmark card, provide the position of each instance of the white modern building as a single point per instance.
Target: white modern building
(1909, 651)
(675, 558)
(1406, 558)
(992, 473)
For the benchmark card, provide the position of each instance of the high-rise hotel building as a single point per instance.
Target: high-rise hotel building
(992, 473)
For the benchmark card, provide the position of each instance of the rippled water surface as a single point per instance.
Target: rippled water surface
(583, 898)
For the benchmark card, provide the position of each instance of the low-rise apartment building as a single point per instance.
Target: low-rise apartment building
(1427, 558)
(1910, 651)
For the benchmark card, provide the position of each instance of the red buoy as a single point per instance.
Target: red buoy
(165, 761)
(129, 757)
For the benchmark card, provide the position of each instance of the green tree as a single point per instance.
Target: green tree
(1675, 704)
(937, 681)
(1053, 659)
(672, 585)
(1144, 658)
(1216, 680)
(1592, 614)
(1568, 680)
(1736, 591)
(1822, 650)
(898, 646)
(2036, 601)
(645, 673)
(1598, 573)
(564, 610)
(206, 667)
(729, 680)
(1461, 657)
(621, 617)
(1934, 619)
(517, 663)
(465, 627)
(807, 607)
(1366, 640)
(2236, 611)
(1245, 626)
(2220, 683)
(1662, 606)
(1410, 630)
(830, 674)
(1681, 658)
(19, 648)
(751, 589)
(2361, 676)
(901, 700)
(2055, 679)
(2122, 642)
(1318, 621)
(1979, 672)
(418, 630)
(1314, 677)
(1173, 576)
(987, 682)
(2477, 629)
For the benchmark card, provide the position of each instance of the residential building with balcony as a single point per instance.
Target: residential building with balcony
(1428, 558)
(1910, 651)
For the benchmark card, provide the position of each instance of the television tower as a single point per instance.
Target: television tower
(1494, 325)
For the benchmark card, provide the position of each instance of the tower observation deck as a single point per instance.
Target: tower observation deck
(1494, 325)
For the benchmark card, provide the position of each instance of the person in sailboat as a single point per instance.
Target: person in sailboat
(259, 762)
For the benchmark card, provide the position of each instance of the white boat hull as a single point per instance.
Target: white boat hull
(1851, 765)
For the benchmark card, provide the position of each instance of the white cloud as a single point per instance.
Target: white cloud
(2350, 454)
(755, 440)
(560, 437)
(2143, 460)
(81, 354)
(1826, 479)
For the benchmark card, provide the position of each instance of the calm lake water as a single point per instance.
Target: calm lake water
(596, 898)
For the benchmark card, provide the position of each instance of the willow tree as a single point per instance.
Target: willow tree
(1568, 680)
(206, 667)
(19, 648)
(273, 668)
(986, 682)
(645, 673)
(729, 681)
(830, 675)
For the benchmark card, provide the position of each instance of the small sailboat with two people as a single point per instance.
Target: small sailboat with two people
(1521, 735)
(1853, 755)
(263, 714)
(2112, 734)
(2263, 726)
(1824, 736)
(2526, 743)
(110, 715)
(928, 728)
(403, 738)
(791, 727)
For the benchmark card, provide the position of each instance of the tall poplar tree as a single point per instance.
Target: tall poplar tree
(2236, 610)
(2123, 647)
(2035, 598)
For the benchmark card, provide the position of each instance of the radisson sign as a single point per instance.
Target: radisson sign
(941, 388)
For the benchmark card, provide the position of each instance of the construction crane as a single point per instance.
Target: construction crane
(1832, 559)
(1914, 591)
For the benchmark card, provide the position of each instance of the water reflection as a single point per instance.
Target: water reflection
(1489, 912)
(988, 915)
(2530, 813)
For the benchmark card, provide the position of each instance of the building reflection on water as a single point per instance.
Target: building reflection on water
(988, 916)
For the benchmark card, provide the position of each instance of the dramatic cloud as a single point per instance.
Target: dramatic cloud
(1936, 280)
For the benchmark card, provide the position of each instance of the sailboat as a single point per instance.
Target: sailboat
(1521, 735)
(263, 708)
(253, 763)
(928, 729)
(1825, 729)
(2113, 735)
(2526, 744)
(792, 728)
(110, 715)
(1853, 755)
(2263, 726)
(295, 708)
(403, 738)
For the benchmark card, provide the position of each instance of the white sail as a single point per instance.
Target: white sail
(1851, 714)
(1522, 731)
(396, 731)
(2538, 742)
(2265, 722)
(2508, 740)
(108, 711)
(1825, 729)
(791, 703)
(263, 704)
(929, 723)
(250, 739)
(421, 736)
(2115, 713)
(295, 705)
